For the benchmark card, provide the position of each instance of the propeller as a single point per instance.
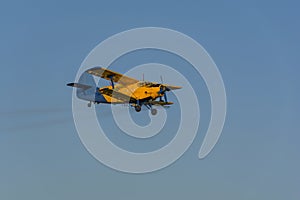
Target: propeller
(163, 90)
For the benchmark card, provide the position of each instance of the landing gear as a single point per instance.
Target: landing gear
(138, 108)
(153, 111)
(89, 104)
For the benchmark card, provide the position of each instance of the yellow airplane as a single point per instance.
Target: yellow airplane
(123, 90)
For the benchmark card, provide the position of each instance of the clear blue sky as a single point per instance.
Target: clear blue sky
(256, 47)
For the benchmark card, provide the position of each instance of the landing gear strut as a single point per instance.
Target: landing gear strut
(138, 108)
(153, 110)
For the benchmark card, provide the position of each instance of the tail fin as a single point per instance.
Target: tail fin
(85, 88)
(87, 79)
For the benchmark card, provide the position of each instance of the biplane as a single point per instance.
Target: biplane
(122, 90)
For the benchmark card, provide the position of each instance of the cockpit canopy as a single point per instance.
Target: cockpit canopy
(148, 84)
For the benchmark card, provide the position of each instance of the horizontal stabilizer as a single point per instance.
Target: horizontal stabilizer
(79, 85)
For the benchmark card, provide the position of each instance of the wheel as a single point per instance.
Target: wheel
(153, 111)
(138, 108)
(89, 104)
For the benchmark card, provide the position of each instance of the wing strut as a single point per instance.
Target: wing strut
(112, 81)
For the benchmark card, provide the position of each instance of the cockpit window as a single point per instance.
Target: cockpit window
(147, 84)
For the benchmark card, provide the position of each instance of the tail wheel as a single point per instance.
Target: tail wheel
(153, 111)
(138, 108)
(89, 104)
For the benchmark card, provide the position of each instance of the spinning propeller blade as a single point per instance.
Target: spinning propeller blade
(163, 90)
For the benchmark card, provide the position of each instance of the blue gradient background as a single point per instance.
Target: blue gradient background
(256, 47)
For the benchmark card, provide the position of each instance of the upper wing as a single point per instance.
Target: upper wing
(108, 75)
